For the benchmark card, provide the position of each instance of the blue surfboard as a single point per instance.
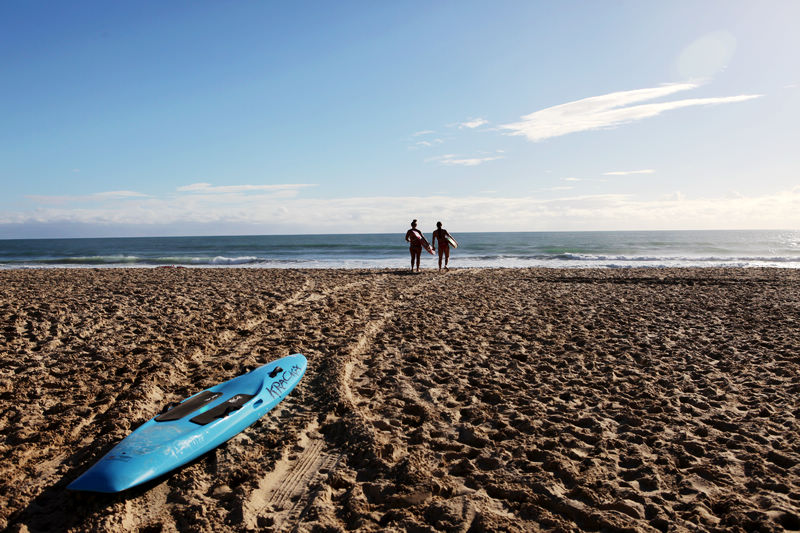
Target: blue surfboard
(193, 427)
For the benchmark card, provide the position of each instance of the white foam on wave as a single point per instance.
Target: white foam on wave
(564, 260)
(221, 260)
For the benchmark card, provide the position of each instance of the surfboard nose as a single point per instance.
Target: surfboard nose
(103, 477)
(116, 471)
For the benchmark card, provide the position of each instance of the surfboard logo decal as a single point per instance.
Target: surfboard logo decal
(282, 385)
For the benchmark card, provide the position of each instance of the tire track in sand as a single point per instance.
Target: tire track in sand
(284, 496)
(292, 488)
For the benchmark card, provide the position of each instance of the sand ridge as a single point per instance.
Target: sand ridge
(474, 400)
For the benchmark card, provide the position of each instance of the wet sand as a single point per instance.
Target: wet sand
(476, 400)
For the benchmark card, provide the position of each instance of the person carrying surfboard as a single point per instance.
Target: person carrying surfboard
(413, 236)
(441, 236)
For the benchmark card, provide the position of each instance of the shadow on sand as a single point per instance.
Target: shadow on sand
(59, 509)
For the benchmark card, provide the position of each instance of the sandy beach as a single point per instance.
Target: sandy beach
(473, 400)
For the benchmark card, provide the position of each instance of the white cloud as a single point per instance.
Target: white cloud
(473, 123)
(608, 111)
(573, 179)
(629, 172)
(456, 160)
(676, 196)
(231, 194)
(428, 144)
(228, 189)
(87, 198)
(118, 194)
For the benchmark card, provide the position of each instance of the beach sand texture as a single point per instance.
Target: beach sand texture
(477, 400)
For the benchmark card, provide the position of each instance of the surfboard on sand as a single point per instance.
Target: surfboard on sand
(193, 427)
(451, 240)
(425, 244)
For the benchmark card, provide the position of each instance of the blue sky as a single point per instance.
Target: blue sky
(191, 118)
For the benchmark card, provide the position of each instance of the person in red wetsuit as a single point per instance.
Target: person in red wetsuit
(413, 237)
(440, 237)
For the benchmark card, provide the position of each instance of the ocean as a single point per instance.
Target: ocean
(612, 249)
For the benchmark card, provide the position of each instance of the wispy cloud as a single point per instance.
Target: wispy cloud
(628, 172)
(94, 197)
(456, 160)
(473, 123)
(207, 188)
(574, 179)
(428, 144)
(424, 139)
(119, 194)
(229, 193)
(608, 111)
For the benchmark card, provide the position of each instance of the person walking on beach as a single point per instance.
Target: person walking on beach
(413, 237)
(440, 235)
